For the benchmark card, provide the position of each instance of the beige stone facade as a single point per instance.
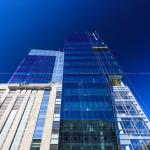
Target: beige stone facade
(20, 110)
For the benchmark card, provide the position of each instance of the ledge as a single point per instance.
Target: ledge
(29, 86)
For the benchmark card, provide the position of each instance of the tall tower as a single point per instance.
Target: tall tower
(74, 99)
(87, 113)
(31, 102)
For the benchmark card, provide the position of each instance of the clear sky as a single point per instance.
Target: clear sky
(124, 25)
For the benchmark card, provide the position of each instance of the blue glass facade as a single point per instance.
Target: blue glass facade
(87, 117)
(38, 132)
(34, 69)
(42, 115)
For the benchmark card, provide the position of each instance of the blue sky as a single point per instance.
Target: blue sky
(123, 25)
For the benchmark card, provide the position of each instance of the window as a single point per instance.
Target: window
(128, 126)
(36, 145)
(53, 147)
(12, 91)
(56, 124)
(120, 109)
(42, 115)
(141, 126)
(57, 109)
(131, 109)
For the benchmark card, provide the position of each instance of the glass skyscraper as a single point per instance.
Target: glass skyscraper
(87, 118)
(73, 99)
